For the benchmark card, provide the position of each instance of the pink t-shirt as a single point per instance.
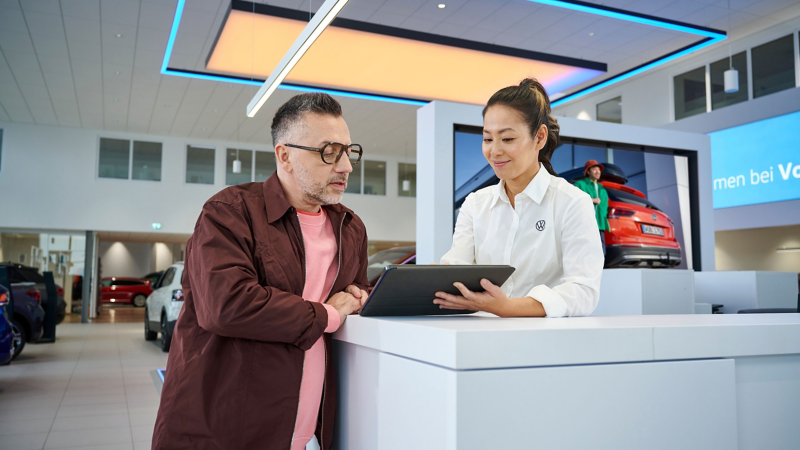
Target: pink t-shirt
(322, 265)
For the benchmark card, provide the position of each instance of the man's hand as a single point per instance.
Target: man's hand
(358, 293)
(596, 201)
(345, 303)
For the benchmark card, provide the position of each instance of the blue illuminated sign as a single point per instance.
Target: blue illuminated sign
(756, 163)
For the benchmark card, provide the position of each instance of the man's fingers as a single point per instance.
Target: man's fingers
(354, 291)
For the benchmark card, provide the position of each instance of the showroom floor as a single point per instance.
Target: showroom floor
(92, 389)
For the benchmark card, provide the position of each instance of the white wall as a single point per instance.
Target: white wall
(755, 249)
(125, 259)
(647, 100)
(52, 173)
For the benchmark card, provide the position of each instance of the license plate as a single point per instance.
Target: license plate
(647, 229)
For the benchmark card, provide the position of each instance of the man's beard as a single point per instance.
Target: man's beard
(314, 192)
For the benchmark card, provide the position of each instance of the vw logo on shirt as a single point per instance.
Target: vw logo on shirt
(540, 225)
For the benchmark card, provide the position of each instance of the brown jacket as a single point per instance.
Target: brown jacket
(236, 362)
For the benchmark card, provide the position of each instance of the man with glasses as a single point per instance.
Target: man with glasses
(271, 270)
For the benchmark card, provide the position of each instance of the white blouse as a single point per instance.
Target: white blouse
(551, 238)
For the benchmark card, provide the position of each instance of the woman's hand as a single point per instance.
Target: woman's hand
(492, 300)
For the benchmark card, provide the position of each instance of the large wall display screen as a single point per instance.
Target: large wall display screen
(757, 163)
(647, 225)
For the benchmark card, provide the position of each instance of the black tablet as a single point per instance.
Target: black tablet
(409, 290)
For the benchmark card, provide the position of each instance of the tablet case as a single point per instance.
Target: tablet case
(409, 290)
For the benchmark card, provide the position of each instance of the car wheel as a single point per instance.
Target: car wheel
(148, 335)
(139, 301)
(166, 335)
(20, 337)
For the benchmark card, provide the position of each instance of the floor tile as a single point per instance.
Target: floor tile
(92, 410)
(142, 433)
(33, 441)
(91, 422)
(82, 438)
(102, 399)
(144, 445)
(26, 426)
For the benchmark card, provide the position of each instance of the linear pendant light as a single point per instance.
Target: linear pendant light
(324, 16)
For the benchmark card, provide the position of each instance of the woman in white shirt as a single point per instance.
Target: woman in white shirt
(532, 220)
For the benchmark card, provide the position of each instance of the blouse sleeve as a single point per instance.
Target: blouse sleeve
(582, 260)
(462, 252)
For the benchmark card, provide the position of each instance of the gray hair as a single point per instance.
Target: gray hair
(292, 111)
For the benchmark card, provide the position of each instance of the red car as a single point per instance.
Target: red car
(641, 235)
(125, 290)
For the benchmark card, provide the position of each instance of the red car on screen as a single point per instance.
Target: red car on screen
(125, 290)
(640, 234)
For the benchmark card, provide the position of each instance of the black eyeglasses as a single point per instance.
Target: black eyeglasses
(332, 152)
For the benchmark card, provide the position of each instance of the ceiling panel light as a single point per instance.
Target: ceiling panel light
(390, 63)
(442, 5)
(323, 17)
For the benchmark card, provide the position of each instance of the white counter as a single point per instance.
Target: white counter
(480, 382)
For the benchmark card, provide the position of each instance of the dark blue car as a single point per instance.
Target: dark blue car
(6, 333)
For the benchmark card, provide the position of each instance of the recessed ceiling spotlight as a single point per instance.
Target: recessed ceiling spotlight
(204, 128)
(116, 73)
(215, 109)
(119, 35)
(116, 100)
(442, 5)
(591, 34)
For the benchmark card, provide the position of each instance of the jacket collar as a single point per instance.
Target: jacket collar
(535, 189)
(277, 205)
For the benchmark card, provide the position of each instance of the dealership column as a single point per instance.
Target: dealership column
(89, 271)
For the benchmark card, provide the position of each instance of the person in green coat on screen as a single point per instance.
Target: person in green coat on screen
(591, 186)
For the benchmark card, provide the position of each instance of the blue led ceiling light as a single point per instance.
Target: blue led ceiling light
(709, 37)
(166, 70)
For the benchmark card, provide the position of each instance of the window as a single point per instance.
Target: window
(105, 283)
(246, 175)
(562, 158)
(168, 277)
(773, 66)
(354, 179)
(719, 99)
(610, 110)
(584, 153)
(690, 93)
(116, 161)
(114, 158)
(407, 172)
(374, 177)
(632, 163)
(265, 165)
(146, 161)
(200, 165)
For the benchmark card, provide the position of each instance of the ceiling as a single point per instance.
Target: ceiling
(96, 63)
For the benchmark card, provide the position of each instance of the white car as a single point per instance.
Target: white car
(164, 305)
